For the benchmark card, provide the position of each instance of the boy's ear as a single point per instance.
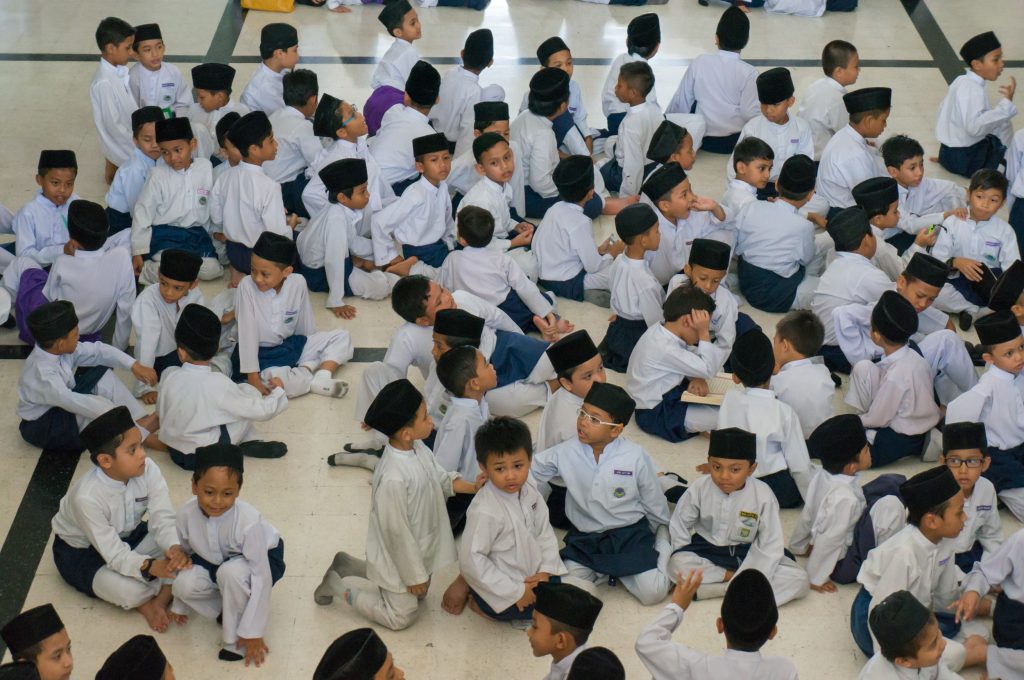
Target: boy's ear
(39, 180)
(893, 172)
(192, 145)
(288, 271)
(419, 167)
(736, 379)
(985, 462)
(105, 461)
(753, 467)
(1017, 310)
(462, 242)
(987, 357)
(719, 624)
(193, 284)
(479, 169)
(775, 631)
(423, 321)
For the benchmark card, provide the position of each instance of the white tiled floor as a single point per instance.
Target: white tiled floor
(321, 510)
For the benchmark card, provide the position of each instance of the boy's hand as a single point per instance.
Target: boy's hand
(955, 212)
(926, 238)
(966, 606)
(228, 317)
(219, 236)
(69, 249)
(698, 386)
(137, 264)
(528, 597)
(177, 558)
(293, 221)
(161, 569)
(682, 594)
(480, 480)
(703, 203)
(826, 587)
(149, 398)
(144, 373)
(419, 590)
(254, 380)
(1009, 89)
(275, 382)
(344, 312)
(728, 575)
(700, 321)
(704, 469)
(256, 650)
(523, 238)
(819, 220)
(539, 577)
(968, 267)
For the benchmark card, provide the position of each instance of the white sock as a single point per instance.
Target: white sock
(322, 375)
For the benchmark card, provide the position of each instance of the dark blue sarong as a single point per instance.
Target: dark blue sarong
(117, 221)
(291, 193)
(57, 429)
(78, 566)
(275, 556)
(619, 341)
(616, 552)
(890, 446)
(517, 310)
(766, 290)
(785, 489)
(285, 354)
(515, 355)
(316, 279)
(667, 419)
(433, 254)
(967, 160)
(571, 289)
(195, 240)
(1006, 471)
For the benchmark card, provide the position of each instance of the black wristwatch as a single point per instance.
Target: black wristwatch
(146, 565)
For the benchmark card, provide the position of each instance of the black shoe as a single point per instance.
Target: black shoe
(974, 351)
(261, 449)
(225, 655)
(10, 323)
(702, 3)
(836, 380)
(352, 448)
(965, 320)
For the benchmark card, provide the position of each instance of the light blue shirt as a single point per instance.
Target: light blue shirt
(774, 236)
(41, 228)
(128, 182)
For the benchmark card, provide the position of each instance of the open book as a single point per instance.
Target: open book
(717, 387)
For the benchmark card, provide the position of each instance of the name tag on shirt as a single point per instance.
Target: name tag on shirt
(795, 141)
(942, 563)
(142, 500)
(624, 473)
(983, 508)
(289, 317)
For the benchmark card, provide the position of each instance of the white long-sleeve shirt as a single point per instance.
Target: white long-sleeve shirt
(497, 200)
(422, 215)
(507, 539)
(925, 204)
(266, 318)
(394, 67)
(832, 508)
(128, 181)
(558, 419)
(1001, 568)
(327, 240)
(265, 90)
(47, 380)
(154, 321)
(965, 116)
(991, 242)
(635, 294)
(823, 108)
(995, 401)
(880, 668)
(617, 490)
(904, 400)
(246, 203)
(564, 244)
(661, 360)
(392, 145)
(163, 87)
(724, 88)
(179, 198)
(609, 102)
(409, 536)
(787, 140)
(112, 108)
(240, 533)
(100, 283)
(204, 125)
(846, 161)
(41, 228)
(677, 237)
(1014, 167)
(853, 330)
(453, 112)
(297, 146)
(774, 236)
(195, 401)
(780, 441)
(668, 660)
(314, 196)
(800, 8)
(851, 278)
(492, 275)
(101, 512)
(536, 136)
(453, 447)
(805, 385)
(635, 133)
(982, 522)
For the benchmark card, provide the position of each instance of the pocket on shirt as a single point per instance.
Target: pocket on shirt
(744, 528)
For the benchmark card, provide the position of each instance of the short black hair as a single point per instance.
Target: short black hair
(910, 648)
(29, 653)
(638, 76)
(502, 435)
(856, 118)
(454, 341)
(802, 329)
(837, 54)
(579, 635)
(113, 31)
(224, 124)
(899, 149)
(751, 149)
(198, 473)
(544, 107)
(475, 226)
(109, 448)
(485, 143)
(409, 297)
(684, 300)
(915, 515)
(456, 368)
(986, 179)
(299, 86)
(792, 195)
(195, 355)
(481, 125)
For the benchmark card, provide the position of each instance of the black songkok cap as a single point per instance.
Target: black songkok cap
(139, 659)
(224, 124)
(434, 143)
(898, 619)
(325, 118)
(868, 99)
(56, 158)
(1008, 288)
(753, 359)
(250, 130)
(148, 32)
(394, 407)
(848, 227)
(596, 663)
(798, 174)
(663, 180)
(198, 331)
(567, 604)
(479, 48)
(31, 627)
(710, 254)
(996, 328)
(964, 436)
(644, 30)
(173, 128)
(458, 323)
(275, 248)
(838, 440)
(876, 194)
(52, 321)
(733, 29)
(895, 318)
(344, 174)
(571, 350)
(574, 175)
(357, 655)
(102, 430)
(549, 47)
(489, 112)
(550, 85)
(634, 220)
(613, 399)
(87, 224)
(927, 269)
(978, 46)
(213, 77)
(220, 455)
(749, 611)
(667, 139)
(180, 265)
(733, 443)
(147, 114)
(423, 84)
(929, 489)
(775, 85)
(393, 13)
(278, 36)
(19, 670)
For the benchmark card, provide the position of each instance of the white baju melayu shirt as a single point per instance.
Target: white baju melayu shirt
(179, 198)
(246, 203)
(787, 140)
(724, 88)
(965, 117)
(100, 283)
(422, 215)
(832, 508)
(846, 161)
(392, 145)
(806, 386)
(661, 360)
(163, 87)
(129, 180)
(112, 109)
(823, 108)
(453, 447)
(41, 228)
(297, 146)
(265, 91)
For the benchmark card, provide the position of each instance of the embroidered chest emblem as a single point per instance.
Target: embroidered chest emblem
(619, 492)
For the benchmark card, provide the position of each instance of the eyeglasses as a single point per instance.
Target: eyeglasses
(593, 420)
(355, 112)
(957, 463)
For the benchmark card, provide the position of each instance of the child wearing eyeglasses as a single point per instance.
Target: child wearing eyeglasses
(965, 453)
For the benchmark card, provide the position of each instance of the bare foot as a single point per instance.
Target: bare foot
(547, 331)
(456, 596)
(613, 206)
(402, 268)
(474, 607)
(155, 614)
(153, 442)
(341, 9)
(178, 619)
(933, 159)
(149, 398)
(150, 421)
